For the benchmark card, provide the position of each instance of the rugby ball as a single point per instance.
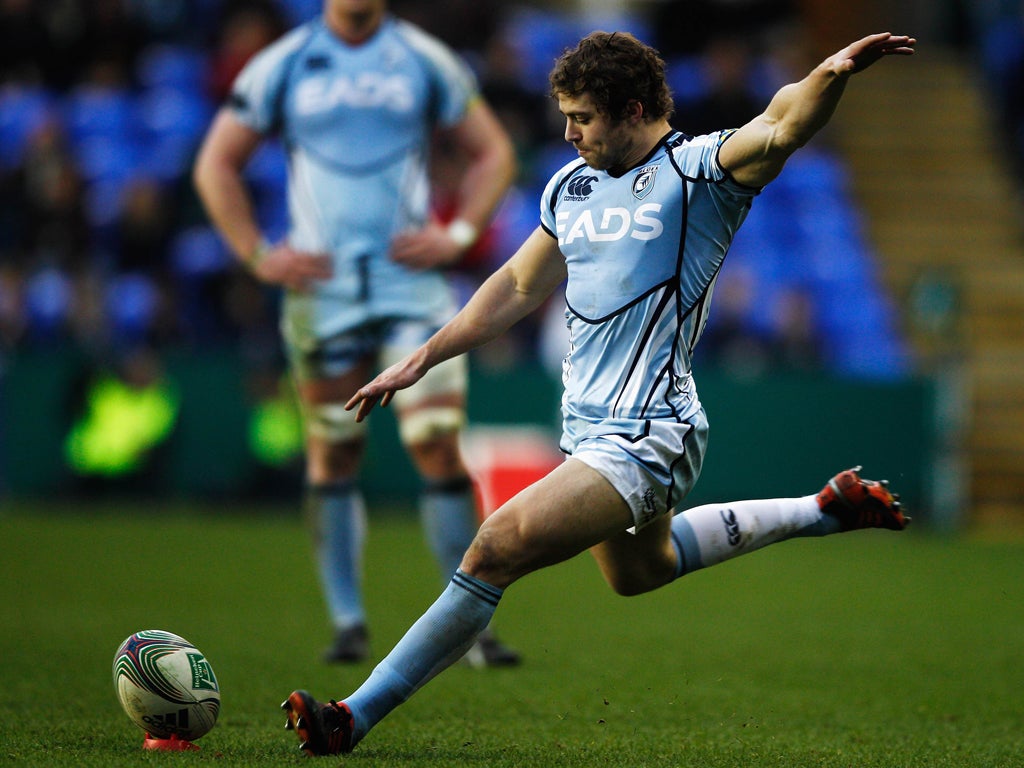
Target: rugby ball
(166, 686)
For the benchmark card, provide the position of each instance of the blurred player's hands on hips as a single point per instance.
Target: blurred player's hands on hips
(296, 270)
(428, 248)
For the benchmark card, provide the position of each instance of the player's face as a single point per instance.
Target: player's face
(355, 7)
(602, 142)
(353, 20)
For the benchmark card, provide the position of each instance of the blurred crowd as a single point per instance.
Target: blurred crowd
(104, 248)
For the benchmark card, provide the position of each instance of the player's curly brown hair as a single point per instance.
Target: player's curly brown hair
(614, 68)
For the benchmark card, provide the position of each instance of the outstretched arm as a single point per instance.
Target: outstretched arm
(512, 292)
(756, 153)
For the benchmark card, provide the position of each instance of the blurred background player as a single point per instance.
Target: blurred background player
(355, 96)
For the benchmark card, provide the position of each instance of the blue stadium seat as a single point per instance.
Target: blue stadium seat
(299, 11)
(1003, 51)
(91, 111)
(108, 158)
(102, 207)
(172, 66)
(167, 111)
(131, 302)
(539, 37)
(272, 214)
(268, 167)
(267, 177)
(859, 325)
(804, 232)
(23, 109)
(48, 296)
(198, 251)
(687, 79)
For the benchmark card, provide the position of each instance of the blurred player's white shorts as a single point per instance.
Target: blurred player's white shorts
(386, 343)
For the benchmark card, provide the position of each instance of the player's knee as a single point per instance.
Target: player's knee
(439, 458)
(331, 423)
(628, 586)
(429, 425)
(499, 554)
(484, 559)
(329, 461)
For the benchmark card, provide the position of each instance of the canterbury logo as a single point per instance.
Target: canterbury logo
(650, 506)
(580, 188)
(732, 527)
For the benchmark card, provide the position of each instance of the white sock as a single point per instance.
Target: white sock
(712, 533)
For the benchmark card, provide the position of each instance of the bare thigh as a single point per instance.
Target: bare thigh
(567, 512)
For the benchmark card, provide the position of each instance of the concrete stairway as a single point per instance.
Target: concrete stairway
(942, 212)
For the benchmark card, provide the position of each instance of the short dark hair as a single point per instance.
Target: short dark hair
(614, 68)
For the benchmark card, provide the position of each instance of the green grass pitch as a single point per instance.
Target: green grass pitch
(868, 649)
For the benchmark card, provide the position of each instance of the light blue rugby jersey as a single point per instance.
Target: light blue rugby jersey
(643, 252)
(356, 124)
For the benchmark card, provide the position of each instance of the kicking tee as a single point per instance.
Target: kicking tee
(643, 251)
(356, 122)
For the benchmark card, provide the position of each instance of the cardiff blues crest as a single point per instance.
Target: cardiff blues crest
(643, 182)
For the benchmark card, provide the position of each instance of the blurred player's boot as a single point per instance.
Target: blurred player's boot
(351, 645)
(323, 729)
(859, 503)
(489, 651)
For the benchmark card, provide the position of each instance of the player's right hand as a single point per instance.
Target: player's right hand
(861, 54)
(402, 374)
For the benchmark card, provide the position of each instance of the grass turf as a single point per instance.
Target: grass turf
(870, 649)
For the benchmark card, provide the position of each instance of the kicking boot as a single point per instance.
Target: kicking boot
(323, 729)
(859, 503)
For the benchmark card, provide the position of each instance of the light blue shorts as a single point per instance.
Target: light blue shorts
(652, 464)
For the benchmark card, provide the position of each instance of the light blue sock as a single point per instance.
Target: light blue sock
(712, 533)
(439, 638)
(338, 518)
(448, 515)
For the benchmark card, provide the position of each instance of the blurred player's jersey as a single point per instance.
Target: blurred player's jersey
(356, 123)
(643, 252)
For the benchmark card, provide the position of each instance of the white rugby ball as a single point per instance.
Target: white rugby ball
(166, 685)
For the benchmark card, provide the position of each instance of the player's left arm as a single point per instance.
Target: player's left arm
(756, 153)
(490, 170)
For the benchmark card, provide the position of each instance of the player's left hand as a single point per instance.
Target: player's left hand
(863, 53)
(428, 248)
